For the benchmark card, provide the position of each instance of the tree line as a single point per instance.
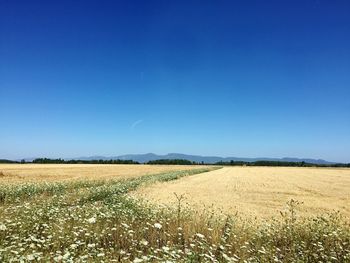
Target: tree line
(178, 162)
(173, 162)
(7, 161)
(281, 163)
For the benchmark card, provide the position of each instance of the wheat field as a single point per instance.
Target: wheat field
(116, 213)
(23, 173)
(259, 191)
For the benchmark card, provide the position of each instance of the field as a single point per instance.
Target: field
(20, 173)
(260, 191)
(126, 213)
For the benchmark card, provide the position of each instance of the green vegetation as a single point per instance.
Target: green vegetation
(179, 162)
(172, 162)
(7, 161)
(100, 222)
(280, 163)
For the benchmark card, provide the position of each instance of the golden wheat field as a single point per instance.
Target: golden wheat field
(259, 191)
(94, 213)
(20, 173)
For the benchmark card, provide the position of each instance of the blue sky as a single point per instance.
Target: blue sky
(228, 78)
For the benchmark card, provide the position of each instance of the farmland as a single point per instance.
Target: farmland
(260, 191)
(21, 173)
(126, 213)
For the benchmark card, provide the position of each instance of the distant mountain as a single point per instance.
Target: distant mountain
(143, 158)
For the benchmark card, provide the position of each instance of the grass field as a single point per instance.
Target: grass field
(260, 191)
(73, 213)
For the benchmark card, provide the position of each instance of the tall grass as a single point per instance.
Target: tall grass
(100, 222)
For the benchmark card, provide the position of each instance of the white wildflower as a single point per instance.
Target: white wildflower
(144, 242)
(158, 226)
(58, 258)
(73, 246)
(200, 235)
(66, 256)
(2, 227)
(91, 245)
(30, 257)
(166, 249)
(137, 260)
(226, 257)
(92, 220)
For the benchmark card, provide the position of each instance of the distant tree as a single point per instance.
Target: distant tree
(7, 161)
(172, 162)
(272, 163)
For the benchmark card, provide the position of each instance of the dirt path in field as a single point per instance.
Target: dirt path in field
(260, 191)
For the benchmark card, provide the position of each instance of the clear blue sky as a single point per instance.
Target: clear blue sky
(228, 78)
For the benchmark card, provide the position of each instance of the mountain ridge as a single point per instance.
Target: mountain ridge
(143, 158)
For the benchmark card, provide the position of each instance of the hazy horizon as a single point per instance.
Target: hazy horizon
(163, 154)
(235, 79)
